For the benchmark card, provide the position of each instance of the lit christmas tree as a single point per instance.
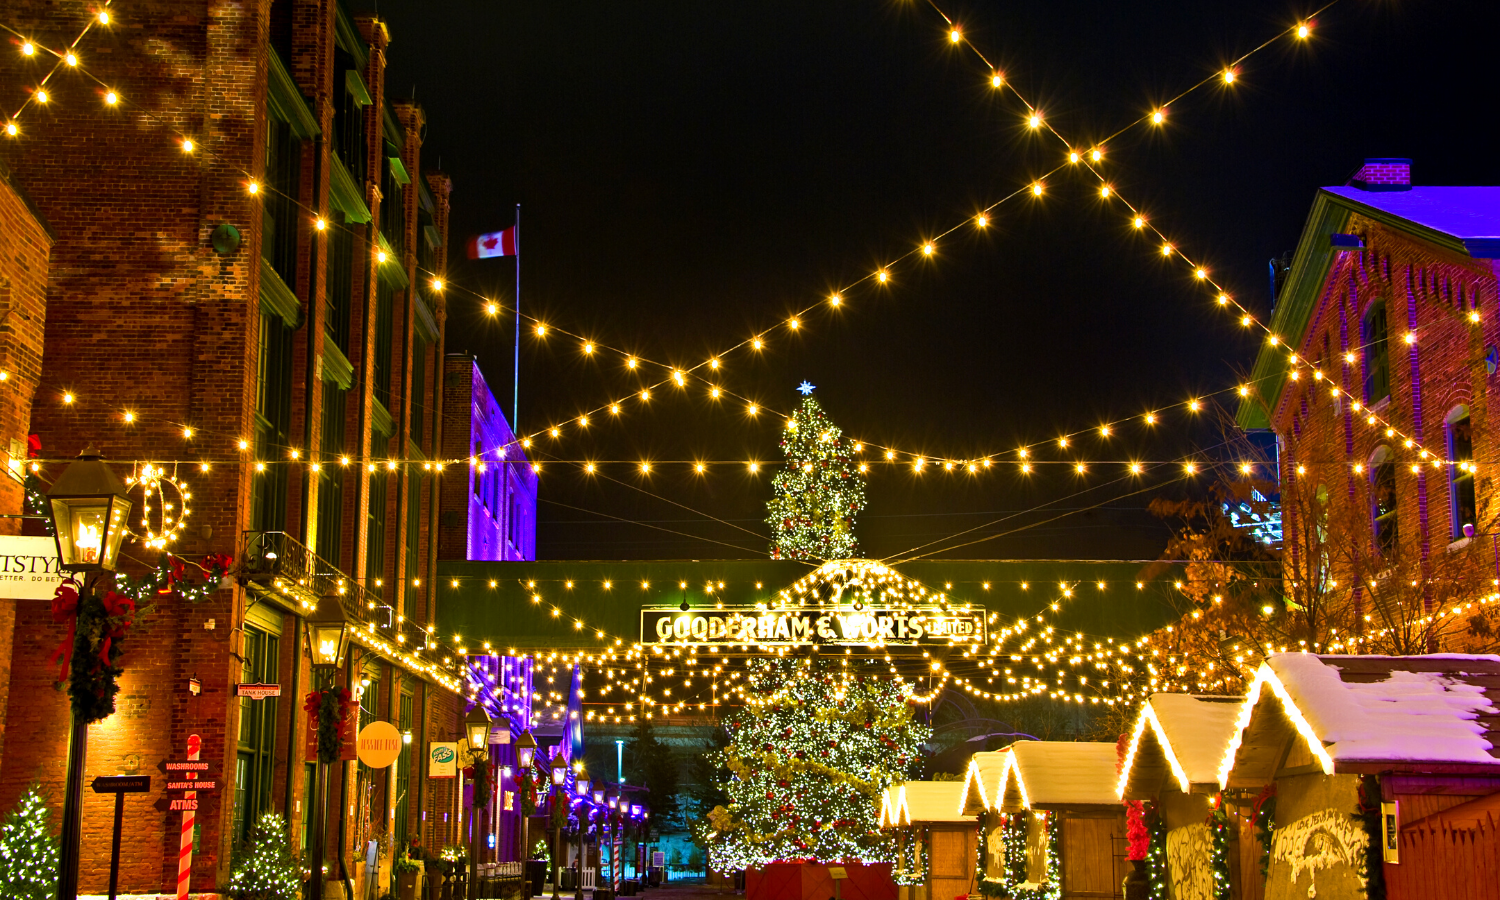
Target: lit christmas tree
(28, 851)
(809, 754)
(820, 491)
(264, 868)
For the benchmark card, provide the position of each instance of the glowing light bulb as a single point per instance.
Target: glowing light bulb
(757, 344)
(129, 416)
(614, 409)
(11, 129)
(982, 220)
(1194, 405)
(1159, 116)
(793, 324)
(254, 188)
(111, 98)
(1411, 337)
(1139, 222)
(244, 444)
(996, 80)
(927, 249)
(41, 96)
(71, 58)
(1135, 468)
(1229, 76)
(630, 363)
(1080, 468)
(1474, 315)
(187, 433)
(1073, 156)
(955, 36)
(1304, 30)
(836, 299)
(541, 330)
(752, 409)
(1096, 155)
(1166, 249)
(882, 276)
(645, 468)
(1105, 191)
(1034, 120)
(319, 224)
(754, 467)
(28, 48)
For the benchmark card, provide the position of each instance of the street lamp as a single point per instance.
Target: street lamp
(581, 785)
(525, 756)
(89, 509)
(559, 795)
(328, 634)
(616, 841)
(477, 728)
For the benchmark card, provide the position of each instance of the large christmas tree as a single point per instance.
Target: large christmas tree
(808, 755)
(820, 491)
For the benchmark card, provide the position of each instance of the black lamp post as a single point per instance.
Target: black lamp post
(477, 729)
(89, 509)
(559, 795)
(581, 784)
(327, 643)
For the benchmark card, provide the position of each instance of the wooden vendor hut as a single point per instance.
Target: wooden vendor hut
(1381, 767)
(982, 782)
(1171, 763)
(1062, 826)
(936, 841)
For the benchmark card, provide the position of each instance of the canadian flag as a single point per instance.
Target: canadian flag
(499, 243)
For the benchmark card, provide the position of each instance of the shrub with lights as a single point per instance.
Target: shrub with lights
(816, 497)
(28, 851)
(265, 868)
(809, 754)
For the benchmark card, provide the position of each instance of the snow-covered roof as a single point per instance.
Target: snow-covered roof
(1178, 742)
(1404, 712)
(932, 801)
(982, 781)
(1049, 774)
(890, 800)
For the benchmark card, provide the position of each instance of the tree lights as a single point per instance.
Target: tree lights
(819, 493)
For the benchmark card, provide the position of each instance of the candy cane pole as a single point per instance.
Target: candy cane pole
(185, 848)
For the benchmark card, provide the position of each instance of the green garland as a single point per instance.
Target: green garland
(332, 708)
(1156, 853)
(1264, 819)
(1370, 816)
(482, 783)
(36, 502)
(170, 577)
(1218, 826)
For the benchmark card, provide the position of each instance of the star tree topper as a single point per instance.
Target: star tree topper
(806, 388)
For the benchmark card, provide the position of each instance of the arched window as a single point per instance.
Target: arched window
(1383, 499)
(1377, 361)
(1460, 434)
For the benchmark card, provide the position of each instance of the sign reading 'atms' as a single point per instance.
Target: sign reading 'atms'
(866, 627)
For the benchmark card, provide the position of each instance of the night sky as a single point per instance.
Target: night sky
(690, 174)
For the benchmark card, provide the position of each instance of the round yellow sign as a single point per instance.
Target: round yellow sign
(379, 744)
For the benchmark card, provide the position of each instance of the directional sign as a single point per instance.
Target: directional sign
(121, 784)
(193, 785)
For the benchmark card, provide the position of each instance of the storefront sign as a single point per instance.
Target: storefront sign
(871, 626)
(28, 567)
(442, 759)
(379, 744)
(257, 691)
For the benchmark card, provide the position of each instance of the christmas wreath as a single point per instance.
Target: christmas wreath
(332, 708)
(97, 624)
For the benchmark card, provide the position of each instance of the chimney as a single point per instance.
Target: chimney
(1383, 175)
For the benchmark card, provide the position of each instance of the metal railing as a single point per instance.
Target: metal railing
(281, 565)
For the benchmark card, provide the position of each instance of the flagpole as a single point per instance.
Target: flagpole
(515, 402)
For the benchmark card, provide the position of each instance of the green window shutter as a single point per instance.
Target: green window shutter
(285, 101)
(355, 85)
(336, 366)
(391, 269)
(380, 420)
(398, 171)
(345, 193)
(426, 323)
(276, 298)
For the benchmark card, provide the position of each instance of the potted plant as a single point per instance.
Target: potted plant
(405, 869)
(436, 869)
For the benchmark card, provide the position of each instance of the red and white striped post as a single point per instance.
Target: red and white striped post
(185, 848)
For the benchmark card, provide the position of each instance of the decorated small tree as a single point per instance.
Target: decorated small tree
(808, 756)
(818, 494)
(264, 868)
(28, 851)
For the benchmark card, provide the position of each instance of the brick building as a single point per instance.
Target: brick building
(25, 244)
(258, 311)
(491, 515)
(1382, 418)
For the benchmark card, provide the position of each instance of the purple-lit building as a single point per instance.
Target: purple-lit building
(491, 515)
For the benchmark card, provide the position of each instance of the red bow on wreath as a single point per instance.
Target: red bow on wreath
(65, 612)
(120, 609)
(176, 571)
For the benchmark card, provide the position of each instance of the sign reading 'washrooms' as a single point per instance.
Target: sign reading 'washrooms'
(870, 626)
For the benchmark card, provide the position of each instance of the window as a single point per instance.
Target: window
(340, 292)
(1383, 500)
(413, 533)
(309, 797)
(348, 115)
(1460, 471)
(418, 400)
(257, 738)
(1377, 357)
(279, 200)
(393, 206)
(403, 771)
(331, 477)
(385, 302)
(375, 534)
(273, 418)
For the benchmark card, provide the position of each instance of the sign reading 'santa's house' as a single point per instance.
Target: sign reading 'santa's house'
(871, 626)
(28, 567)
